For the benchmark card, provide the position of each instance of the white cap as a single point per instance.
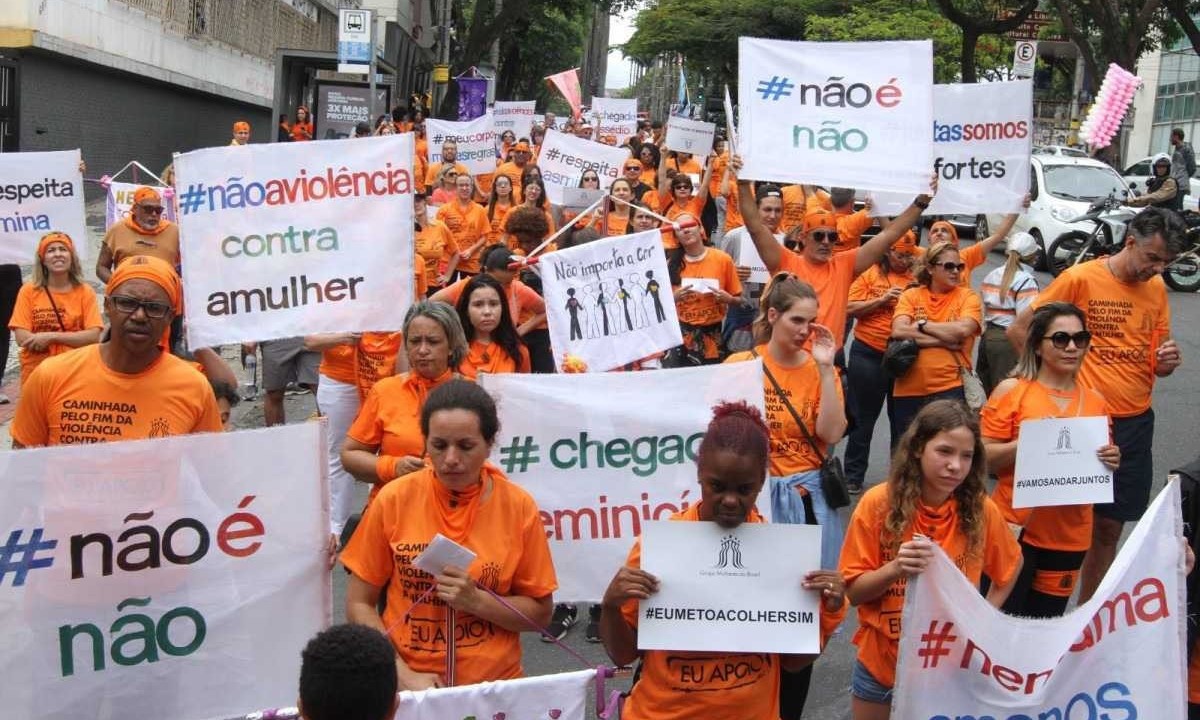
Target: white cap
(1023, 244)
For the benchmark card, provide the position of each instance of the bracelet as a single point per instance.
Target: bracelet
(920, 204)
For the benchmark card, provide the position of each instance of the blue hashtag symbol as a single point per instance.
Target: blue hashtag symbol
(775, 88)
(19, 558)
(518, 453)
(190, 201)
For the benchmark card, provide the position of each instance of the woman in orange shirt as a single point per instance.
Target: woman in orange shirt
(446, 186)
(493, 345)
(57, 311)
(499, 203)
(533, 194)
(460, 496)
(705, 283)
(302, 129)
(676, 198)
(650, 157)
(384, 442)
(935, 493)
(1053, 539)
(435, 247)
(730, 465)
(944, 318)
(618, 214)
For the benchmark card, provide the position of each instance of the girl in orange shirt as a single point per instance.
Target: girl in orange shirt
(499, 203)
(617, 216)
(493, 345)
(302, 129)
(676, 198)
(935, 493)
(1053, 539)
(705, 283)
(651, 158)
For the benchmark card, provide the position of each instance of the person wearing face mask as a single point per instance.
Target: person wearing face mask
(145, 231)
(1161, 189)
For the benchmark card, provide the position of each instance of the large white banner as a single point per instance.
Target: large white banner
(1120, 655)
(722, 589)
(169, 578)
(293, 239)
(847, 114)
(690, 136)
(610, 302)
(601, 453)
(512, 115)
(476, 140)
(120, 200)
(564, 158)
(40, 192)
(982, 138)
(561, 697)
(616, 118)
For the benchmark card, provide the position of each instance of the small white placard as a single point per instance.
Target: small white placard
(442, 552)
(1057, 463)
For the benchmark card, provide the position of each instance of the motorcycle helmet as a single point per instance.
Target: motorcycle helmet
(1161, 159)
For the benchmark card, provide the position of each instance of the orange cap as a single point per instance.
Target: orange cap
(241, 126)
(53, 237)
(946, 226)
(146, 193)
(819, 219)
(147, 267)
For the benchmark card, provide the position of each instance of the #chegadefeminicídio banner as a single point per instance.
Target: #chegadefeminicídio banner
(564, 158)
(476, 140)
(1119, 655)
(40, 192)
(615, 117)
(601, 453)
(177, 577)
(515, 115)
(846, 114)
(120, 200)
(293, 239)
(562, 696)
(610, 302)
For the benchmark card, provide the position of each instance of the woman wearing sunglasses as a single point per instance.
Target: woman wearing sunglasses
(944, 319)
(1053, 539)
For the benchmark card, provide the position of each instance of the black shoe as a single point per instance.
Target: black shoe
(854, 488)
(593, 627)
(561, 622)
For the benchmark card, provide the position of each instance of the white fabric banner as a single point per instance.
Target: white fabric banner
(561, 697)
(564, 158)
(1057, 463)
(476, 141)
(723, 589)
(120, 200)
(1120, 655)
(169, 578)
(292, 239)
(40, 192)
(610, 302)
(615, 117)
(846, 114)
(516, 116)
(601, 453)
(690, 136)
(982, 139)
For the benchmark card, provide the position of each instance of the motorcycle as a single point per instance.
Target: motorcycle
(1076, 246)
(1184, 273)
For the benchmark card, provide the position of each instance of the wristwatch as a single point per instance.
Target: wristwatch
(924, 205)
(921, 325)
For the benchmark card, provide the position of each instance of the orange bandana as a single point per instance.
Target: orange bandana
(145, 267)
(53, 237)
(949, 228)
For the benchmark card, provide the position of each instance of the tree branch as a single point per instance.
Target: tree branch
(1179, 12)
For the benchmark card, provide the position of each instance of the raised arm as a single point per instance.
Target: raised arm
(875, 248)
(768, 247)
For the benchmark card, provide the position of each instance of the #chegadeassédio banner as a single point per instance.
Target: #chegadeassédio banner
(40, 192)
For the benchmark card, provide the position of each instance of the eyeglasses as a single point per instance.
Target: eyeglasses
(951, 266)
(824, 236)
(154, 209)
(632, 167)
(1082, 339)
(683, 186)
(128, 305)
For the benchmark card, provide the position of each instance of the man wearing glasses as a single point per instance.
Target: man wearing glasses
(143, 232)
(449, 157)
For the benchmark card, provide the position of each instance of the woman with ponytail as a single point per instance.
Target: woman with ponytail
(1006, 292)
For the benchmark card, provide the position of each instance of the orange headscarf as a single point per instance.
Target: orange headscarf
(241, 126)
(147, 193)
(819, 219)
(146, 267)
(53, 237)
(907, 243)
(948, 227)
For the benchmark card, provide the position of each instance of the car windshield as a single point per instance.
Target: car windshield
(1082, 182)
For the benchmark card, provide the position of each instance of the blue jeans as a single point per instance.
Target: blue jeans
(864, 686)
(787, 506)
(869, 388)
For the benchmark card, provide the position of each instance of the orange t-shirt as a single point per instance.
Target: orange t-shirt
(816, 201)
(850, 227)
(733, 212)
(302, 131)
(795, 207)
(874, 328)
(702, 308)
(677, 685)
(375, 358)
(337, 363)
(77, 310)
(512, 558)
(1194, 679)
(790, 452)
(435, 245)
(863, 551)
(972, 257)
(521, 298)
(1062, 527)
(125, 242)
(936, 368)
(1128, 322)
(617, 225)
(513, 172)
(435, 169)
(831, 281)
(496, 232)
(467, 225)
(491, 358)
(74, 398)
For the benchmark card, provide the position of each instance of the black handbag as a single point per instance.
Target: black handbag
(900, 356)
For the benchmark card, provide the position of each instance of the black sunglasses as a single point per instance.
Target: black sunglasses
(952, 266)
(824, 236)
(129, 305)
(154, 209)
(1060, 339)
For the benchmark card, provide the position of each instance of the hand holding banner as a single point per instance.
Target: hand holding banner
(40, 192)
(694, 137)
(1057, 463)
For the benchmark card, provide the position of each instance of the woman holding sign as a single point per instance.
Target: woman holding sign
(730, 466)
(1053, 539)
(706, 283)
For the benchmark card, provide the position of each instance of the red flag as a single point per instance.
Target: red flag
(567, 83)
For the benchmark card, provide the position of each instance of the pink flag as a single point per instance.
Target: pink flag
(567, 83)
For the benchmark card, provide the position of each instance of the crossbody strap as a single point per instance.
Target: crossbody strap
(53, 306)
(795, 415)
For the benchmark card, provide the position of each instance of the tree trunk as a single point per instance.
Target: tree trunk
(970, 40)
(1180, 14)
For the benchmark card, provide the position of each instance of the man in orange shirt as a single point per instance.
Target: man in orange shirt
(449, 157)
(1125, 301)
(468, 223)
(521, 153)
(143, 232)
(127, 388)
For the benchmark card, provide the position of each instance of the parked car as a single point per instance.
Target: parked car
(1138, 173)
(1059, 150)
(1060, 187)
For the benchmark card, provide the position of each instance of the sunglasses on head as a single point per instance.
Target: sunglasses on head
(824, 236)
(1060, 339)
(949, 266)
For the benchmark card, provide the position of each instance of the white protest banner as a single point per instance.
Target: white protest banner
(581, 198)
(1119, 655)
(602, 453)
(723, 589)
(615, 118)
(746, 254)
(512, 115)
(169, 578)
(40, 192)
(690, 136)
(846, 114)
(730, 125)
(610, 302)
(564, 158)
(120, 200)
(476, 140)
(982, 137)
(1057, 463)
(561, 697)
(292, 239)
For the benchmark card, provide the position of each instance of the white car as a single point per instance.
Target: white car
(1138, 173)
(1059, 150)
(1060, 187)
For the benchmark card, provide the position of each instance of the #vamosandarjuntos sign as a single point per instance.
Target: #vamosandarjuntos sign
(846, 114)
(293, 239)
(40, 192)
(169, 578)
(1119, 655)
(601, 453)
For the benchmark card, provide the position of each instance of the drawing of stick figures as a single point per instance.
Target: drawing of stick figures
(573, 306)
(652, 288)
(589, 315)
(638, 293)
(623, 294)
(600, 302)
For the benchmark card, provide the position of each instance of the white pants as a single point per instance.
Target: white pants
(338, 402)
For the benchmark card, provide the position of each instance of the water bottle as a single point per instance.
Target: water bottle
(250, 364)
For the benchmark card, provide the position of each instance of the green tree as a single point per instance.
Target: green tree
(1114, 31)
(980, 18)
